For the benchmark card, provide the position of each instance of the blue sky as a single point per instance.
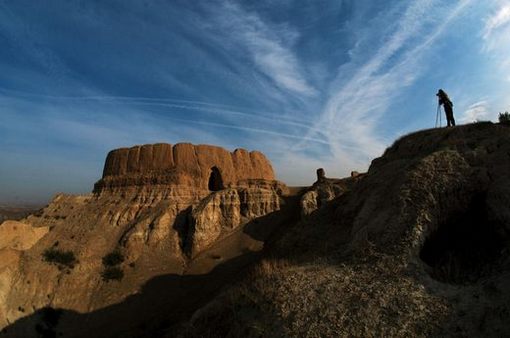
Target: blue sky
(312, 84)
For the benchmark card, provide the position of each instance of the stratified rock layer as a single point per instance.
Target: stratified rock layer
(181, 164)
(226, 210)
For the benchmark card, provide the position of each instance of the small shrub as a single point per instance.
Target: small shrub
(112, 259)
(111, 263)
(504, 118)
(112, 273)
(60, 257)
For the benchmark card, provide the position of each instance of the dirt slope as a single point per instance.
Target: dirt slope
(419, 247)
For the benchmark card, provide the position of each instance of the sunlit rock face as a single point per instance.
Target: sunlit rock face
(158, 205)
(199, 166)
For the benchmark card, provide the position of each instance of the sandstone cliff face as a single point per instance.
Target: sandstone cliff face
(154, 205)
(181, 164)
(15, 237)
(225, 211)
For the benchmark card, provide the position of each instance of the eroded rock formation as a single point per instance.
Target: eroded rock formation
(157, 205)
(226, 210)
(417, 246)
(322, 191)
(198, 166)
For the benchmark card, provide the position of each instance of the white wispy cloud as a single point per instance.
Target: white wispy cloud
(269, 123)
(498, 20)
(478, 111)
(496, 37)
(270, 47)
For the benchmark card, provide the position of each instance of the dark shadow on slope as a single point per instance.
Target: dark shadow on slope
(270, 227)
(162, 304)
(287, 236)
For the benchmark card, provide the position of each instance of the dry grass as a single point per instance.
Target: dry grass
(280, 299)
(270, 267)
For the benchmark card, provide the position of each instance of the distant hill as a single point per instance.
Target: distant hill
(16, 212)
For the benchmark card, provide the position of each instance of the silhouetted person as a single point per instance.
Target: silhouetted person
(444, 100)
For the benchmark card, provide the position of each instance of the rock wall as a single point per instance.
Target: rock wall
(181, 164)
(226, 210)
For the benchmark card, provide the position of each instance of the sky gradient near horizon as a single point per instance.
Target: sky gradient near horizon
(322, 83)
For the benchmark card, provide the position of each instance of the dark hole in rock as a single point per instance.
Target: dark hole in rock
(465, 247)
(215, 180)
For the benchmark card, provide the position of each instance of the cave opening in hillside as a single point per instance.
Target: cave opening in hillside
(465, 247)
(215, 180)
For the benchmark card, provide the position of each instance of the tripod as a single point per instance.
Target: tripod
(438, 115)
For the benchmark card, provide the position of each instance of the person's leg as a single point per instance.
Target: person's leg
(449, 115)
(446, 115)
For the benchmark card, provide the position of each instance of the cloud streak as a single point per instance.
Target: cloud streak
(498, 20)
(269, 47)
(496, 36)
(478, 111)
